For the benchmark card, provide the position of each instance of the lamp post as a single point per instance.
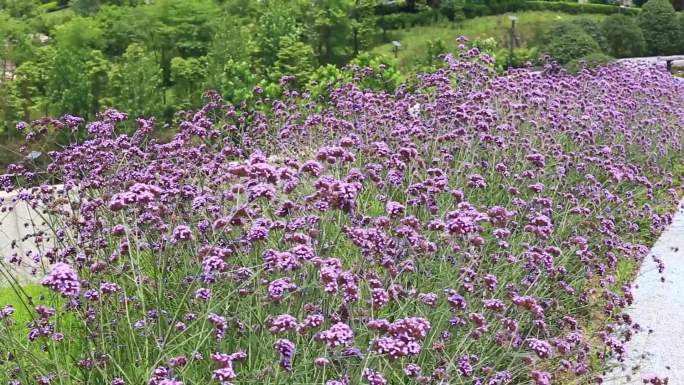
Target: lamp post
(513, 20)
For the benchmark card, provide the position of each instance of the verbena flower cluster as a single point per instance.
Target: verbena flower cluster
(466, 229)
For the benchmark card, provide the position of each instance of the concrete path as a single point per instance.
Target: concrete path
(15, 226)
(654, 59)
(659, 310)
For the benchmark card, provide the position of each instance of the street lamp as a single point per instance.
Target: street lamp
(513, 20)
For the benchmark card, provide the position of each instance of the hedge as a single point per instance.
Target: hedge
(425, 16)
(577, 8)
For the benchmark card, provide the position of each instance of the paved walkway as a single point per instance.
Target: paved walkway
(659, 309)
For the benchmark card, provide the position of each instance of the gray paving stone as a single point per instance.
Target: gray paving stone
(659, 309)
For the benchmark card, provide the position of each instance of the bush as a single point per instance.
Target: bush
(573, 44)
(681, 30)
(472, 10)
(658, 22)
(407, 20)
(452, 10)
(576, 8)
(594, 30)
(593, 60)
(623, 35)
(521, 58)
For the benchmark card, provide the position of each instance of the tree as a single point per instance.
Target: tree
(69, 91)
(623, 36)
(124, 25)
(15, 45)
(276, 22)
(19, 8)
(80, 33)
(187, 75)
(295, 58)
(29, 80)
(235, 80)
(229, 69)
(364, 25)
(178, 28)
(658, 23)
(331, 30)
(136, 82)
(73, 87)
(10, 107)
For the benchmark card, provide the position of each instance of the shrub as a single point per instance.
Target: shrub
(452, 10)
(681, 30)
(658, 22)
(623, 35)
(577, 8)
(521, 57)
(593, 60)
(472, 10)
(594, 30)
(572, 44)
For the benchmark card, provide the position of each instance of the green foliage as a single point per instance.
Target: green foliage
(435, 48)
(680, 19)
(573, 43)
(80, 33)
(23, 312)
(123, 26)
(186, 74)
(324, 79)
(29, 81)
(623, 36)
(69, 91)
(85, 7)
(452, 9)
(521, 58)
(474, 8)
(10, 106)
(294, 58)
(385, 74)
(593, 29)
(16, 44)
(578, 8)
(19, 8)
(593, 60)
(136, 83)
(185, 26)
(276, 22)
(235, 80)
(658, 22)
(330, 30)
(363, 25)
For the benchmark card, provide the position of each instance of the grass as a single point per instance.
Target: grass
(529, 28)
(9, 296)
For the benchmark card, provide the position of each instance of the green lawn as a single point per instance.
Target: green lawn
(529, 28)
(9, 297)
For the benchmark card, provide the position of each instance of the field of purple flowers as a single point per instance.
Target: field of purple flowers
(466, 229)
